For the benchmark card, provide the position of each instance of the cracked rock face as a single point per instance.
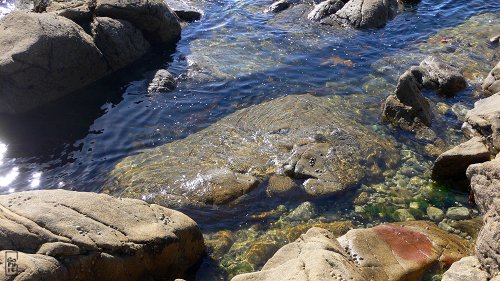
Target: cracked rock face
(302, 137)
(386, 252)
(66, 235)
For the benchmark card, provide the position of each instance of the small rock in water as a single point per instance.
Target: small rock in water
(435, 214)
(303, 212)
(279, 185)
(495, 39)
(278, 6)
(162, 82)
(458, 213)
(404, 215)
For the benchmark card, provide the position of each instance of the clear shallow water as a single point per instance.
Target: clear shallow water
(237, 56)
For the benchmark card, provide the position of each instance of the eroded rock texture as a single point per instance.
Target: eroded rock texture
(66, 235)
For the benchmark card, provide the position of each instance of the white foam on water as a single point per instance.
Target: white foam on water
(6, 6)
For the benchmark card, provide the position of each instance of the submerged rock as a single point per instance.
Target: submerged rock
(40, 60)
(303, 212)
(365, 13)
(458, 213)
(491, 84)
(163, 81)
(280, 185)
(386, 252)
(454, 162)
(67, 235)
(303, 137)
(435, 214)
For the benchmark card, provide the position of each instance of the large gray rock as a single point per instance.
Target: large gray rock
(153, 17)
(466, 269)
(491, 85)
(67, 235)
(442, 76)
(387, 252)
(119, 41)
(365, 13)
(454, 162)
(484, 120)
(301, 136)
(408, 108)
(41, 60)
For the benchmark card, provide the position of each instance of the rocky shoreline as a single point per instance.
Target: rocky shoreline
(297, 144)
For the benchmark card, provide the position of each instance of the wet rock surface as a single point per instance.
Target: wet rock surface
(297, 136)
(385, 252)
(66, 235)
